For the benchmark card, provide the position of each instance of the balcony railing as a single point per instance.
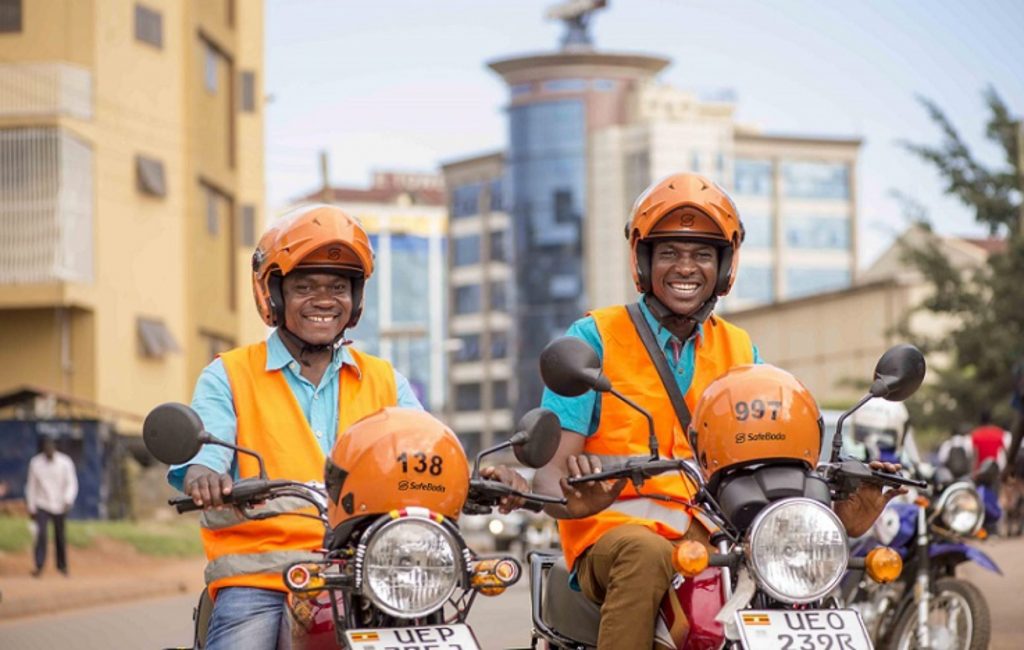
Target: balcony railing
(46, 207)
(45, 89)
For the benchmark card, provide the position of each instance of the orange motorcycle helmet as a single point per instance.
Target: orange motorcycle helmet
(752, 414)
(393, 459)
(685, 206)
(315, 238)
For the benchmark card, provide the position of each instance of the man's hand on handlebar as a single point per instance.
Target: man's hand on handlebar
(206, 487)
(860, 510)
(585, 499)
(511, 478)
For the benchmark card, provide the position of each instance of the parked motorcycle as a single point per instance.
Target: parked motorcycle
(929, 607)
(781, 550)
(394, 569)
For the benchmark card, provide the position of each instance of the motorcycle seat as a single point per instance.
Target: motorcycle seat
(568, 611)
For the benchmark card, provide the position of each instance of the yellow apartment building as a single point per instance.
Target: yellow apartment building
(131, 193)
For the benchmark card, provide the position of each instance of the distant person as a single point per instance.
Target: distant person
(50, 491)
(989, 441)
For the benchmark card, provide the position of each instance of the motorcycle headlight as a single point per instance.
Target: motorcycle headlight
(411, 567)
(961, 510)
(797, 550)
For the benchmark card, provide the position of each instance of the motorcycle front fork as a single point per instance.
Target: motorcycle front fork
(922, 585)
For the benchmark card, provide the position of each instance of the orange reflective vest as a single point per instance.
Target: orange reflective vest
(254, 553)
(623, 432)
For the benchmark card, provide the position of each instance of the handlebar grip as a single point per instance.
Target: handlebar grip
(184, 504)
(533, 506)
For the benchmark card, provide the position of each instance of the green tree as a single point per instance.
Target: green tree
(985, 304)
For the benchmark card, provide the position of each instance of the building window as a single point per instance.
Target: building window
(10, 16)
(467, 397)
(499, 246)
(563, 206)
(564, 286)
(466, 200)
(817, 232)
(499, 395)
(755, 283)
(815, 180)
(215, 344)
(499, 296)
(469, 348)
(247, 226)
(497, 195)
(248, 92)
(467, 299)
(149, 176)
(806, 281)
(753, 177)
(210, 67)
(604, 85)
(155, 340)
(758, 229)
(517, 90)
(470, 442)
(466, 250)
(564, 85)
(212, 218)
(149, 26)
(499, 345)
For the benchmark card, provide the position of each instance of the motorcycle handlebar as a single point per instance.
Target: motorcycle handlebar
(245, 492)
(646, 468)
(487, 493)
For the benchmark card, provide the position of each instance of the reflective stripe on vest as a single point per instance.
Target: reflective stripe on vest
(271, 422)
(227, 517)
(230, 566)
(623, 432)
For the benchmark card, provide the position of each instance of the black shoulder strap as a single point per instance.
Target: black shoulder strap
(661, 363)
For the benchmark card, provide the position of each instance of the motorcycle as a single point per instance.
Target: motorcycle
(929, 607)
(400, 576)
(781, 550)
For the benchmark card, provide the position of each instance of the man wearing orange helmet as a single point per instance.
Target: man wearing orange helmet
(684, 235)
(288, 398)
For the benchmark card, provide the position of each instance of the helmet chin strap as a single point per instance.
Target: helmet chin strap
(666, 316)
(307, 349)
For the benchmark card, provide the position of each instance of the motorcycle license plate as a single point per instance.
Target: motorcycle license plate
(812, 629)
(425, 637)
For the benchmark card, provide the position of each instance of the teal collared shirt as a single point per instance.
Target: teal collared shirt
(214, 403)
(582, 414)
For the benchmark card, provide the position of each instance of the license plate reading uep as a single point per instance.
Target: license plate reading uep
(424, 637)
(818, 629)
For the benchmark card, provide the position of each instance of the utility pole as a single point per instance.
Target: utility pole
(1020, 175)
(325, 177)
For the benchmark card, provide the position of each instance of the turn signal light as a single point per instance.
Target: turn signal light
(303, 577)
(493, 575)
(690, 558)
(883, 564)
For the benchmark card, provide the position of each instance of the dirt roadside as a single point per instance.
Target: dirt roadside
(109, 572)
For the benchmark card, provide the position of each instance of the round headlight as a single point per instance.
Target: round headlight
(961, 509)
(797, 550)
(411, 567)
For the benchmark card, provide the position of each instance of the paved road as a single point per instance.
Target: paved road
(499, 622)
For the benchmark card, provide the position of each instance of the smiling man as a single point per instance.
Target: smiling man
(288, 398)
(684, 234)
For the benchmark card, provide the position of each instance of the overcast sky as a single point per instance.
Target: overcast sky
(402, 84)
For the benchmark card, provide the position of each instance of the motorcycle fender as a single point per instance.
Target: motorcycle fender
(971, 553)
(696, 600)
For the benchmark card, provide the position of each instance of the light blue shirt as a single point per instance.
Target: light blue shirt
(214, 403)
(582, 414)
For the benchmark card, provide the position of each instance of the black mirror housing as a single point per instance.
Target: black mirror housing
(570, 367)
(173, 433)
(537, 437)
(899, 373)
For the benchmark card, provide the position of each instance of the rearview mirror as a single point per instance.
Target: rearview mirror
(570, 367)
(537, 436)
(899, 373)
(173, 433)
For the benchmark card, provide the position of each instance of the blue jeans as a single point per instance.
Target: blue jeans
(245, 617)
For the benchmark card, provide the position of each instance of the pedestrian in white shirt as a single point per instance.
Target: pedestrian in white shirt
(50, 492)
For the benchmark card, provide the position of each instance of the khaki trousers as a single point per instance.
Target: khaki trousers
(627, 572)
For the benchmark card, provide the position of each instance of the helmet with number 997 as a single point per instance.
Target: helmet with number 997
(751, 414)
(392, 459)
